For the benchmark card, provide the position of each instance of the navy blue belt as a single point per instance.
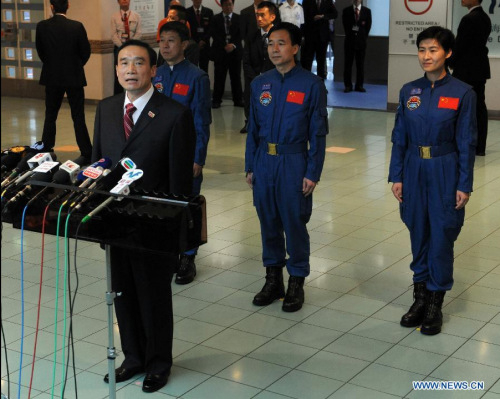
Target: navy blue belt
(278, 149)
(432, 151)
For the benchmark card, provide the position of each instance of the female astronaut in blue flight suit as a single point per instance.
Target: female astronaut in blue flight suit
(431, 169)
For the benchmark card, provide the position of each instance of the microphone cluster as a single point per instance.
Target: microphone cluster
(79, 183)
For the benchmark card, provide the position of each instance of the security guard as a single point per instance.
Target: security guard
(431, 168)
(182, 81)
(284, 158)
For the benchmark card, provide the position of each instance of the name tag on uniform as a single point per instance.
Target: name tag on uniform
(200, 30)
(355, 28)
(296, 97)
(181, 89)
(448, 103)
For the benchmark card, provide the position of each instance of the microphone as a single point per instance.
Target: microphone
(89, 175)
(66, 174)
(12, 156)
(27, 164)
(123, 188)
(44, 173)
(108, 180)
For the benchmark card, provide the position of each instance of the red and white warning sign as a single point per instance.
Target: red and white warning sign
(418, 7)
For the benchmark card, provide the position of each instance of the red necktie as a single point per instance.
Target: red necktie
(128, 122)
(357, 14)
(198, 17)
(126, 26)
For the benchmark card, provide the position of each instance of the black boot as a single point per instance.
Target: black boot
(294, 298)
(415, 315)
(273, 289)
(433, 319)
(187, 270)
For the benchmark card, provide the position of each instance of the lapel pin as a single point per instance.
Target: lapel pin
(151, 114)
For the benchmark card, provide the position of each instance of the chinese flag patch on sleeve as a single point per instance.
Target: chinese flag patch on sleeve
(448, 102)
(296, 97)
(181, 89)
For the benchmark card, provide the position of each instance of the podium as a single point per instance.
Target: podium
(143, 221)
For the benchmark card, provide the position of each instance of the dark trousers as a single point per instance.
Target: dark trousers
(221, 67)
(144, 309)
(246, 97)
(117, 88)
(204, 59)
(314, 46)
(53, 99)
(352, 53)
(481, 115)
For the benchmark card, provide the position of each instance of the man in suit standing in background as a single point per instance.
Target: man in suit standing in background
(226, 51)
(64, 49)
(255, 55)
(157, 133)
(317, 14)
(199, 19)
(357, 21)
(248, 19)
(470, 62)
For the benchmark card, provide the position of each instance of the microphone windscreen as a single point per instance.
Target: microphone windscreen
(62, 177)
(23, 165)
(10, 161)
(41, 176)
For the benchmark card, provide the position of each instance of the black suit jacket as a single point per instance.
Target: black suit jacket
(218, 34)
(320, 28)
(255, 56)
(206, 16)
(353, 38)
(162, 142)
(248, 22)
(469, 59)
(64, 49)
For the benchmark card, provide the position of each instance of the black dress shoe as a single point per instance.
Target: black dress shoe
(123, 374)
(244, 129)
(154, 382)
(215, 105)
(187, 270)
(347, 89)
(240, 104)
(361, 89)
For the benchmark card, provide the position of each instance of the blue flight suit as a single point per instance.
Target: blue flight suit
(443, 118)
(289, 111)
(190, 86)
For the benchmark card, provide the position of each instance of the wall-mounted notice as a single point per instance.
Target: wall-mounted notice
(409, 18)
(148, 10)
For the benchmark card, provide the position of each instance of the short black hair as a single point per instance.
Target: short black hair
(152, 54)
(444, 37)
(176, 26)
(181, 11)
(270, 6)
(224, 1)
(293, 31)
(60, 6)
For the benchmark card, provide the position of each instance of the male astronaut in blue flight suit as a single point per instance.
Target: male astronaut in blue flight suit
(284, 158)
(431, 169)
(182, 81)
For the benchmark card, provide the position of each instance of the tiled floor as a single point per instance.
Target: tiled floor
(345, 343)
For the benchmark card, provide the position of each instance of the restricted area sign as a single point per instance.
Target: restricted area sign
(418, 7)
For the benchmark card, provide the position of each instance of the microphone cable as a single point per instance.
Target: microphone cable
(57, 303)
(3, 332)
(22, 304)
(39, 300)
(5, 351)
(71, 307)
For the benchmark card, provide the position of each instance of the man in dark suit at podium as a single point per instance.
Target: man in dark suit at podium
(199, 19)
(357, 21)
(157, 133)
(470, 62)
(64, 49)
